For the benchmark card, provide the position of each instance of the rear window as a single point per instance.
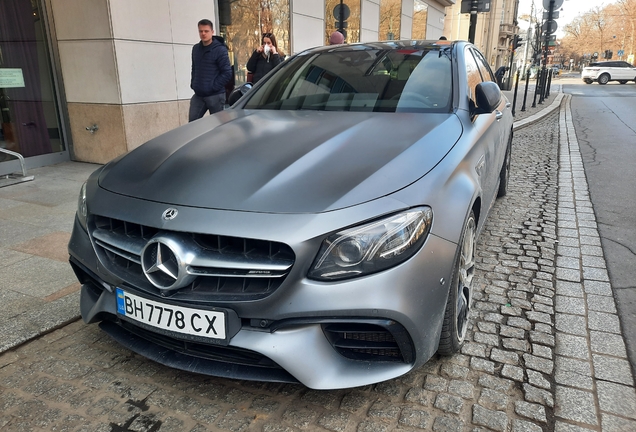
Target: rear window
(361, 79)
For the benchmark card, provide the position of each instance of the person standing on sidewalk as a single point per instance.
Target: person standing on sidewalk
(211, 71)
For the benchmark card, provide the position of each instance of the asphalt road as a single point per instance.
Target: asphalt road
(605, 123)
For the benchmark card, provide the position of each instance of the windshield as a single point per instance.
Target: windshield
(361, 79)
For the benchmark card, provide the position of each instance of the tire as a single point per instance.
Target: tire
(587, 81)
(623, 81)
(504, 174)
(460, 295)
(603, 79)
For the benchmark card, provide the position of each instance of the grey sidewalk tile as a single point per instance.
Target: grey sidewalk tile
(9, 257)
(38, 277)
(571, 289)
(567, 274)
(573, 373)
(525, 426)
(575, 405)
(591, 250)
(572, 346)
(566, 427)
(568, 251)
(570, 305)
(603, 322)
(569, 241)
(573, 324)
(601, 303)
(596, 287)
(612, 369)
(610, 423)
(569, 262)
(617, 399)
(593, 261)
(595, 273)
(607, 343)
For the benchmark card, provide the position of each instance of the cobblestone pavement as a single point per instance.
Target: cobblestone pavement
(545, 350)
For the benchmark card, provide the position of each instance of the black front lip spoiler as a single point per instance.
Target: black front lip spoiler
(177, 360)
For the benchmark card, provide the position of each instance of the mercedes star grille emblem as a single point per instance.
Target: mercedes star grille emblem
(162, 264)
(170, 214)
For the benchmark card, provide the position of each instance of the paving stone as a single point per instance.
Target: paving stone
(383, 410)
(575, 405)
(414, 395)
(572, 346)
(610, 423)
(482, 365)
(520, 323)
(540, 396)
(461, 388)
(538, 363)
(414, 418)
(603, 322)
(494, 383)
(486, 338)
(512, 332)
(515, 344)
(570, 305)
(435, 383)
(502, 356)
(537, 379)
(593, 273)
(531, 411)
(571, 289)
(525, 426)
(487, 327)
(495, 420)
(494, 400)
(612, 369)
(573, 372)
(474, 349)
(542, 338)
(607, 343)
(452, 370)
(449, 403)
(601, 303)
(512, 372)
(573, 324)
(617, 399)
(448, 424)
(598, 288)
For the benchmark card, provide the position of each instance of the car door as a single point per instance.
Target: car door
(488, 130)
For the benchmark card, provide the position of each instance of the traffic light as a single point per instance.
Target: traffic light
(516, 42)
(609, 54)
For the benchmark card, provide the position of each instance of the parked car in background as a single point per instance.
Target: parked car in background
(320, 231)
(606, 71)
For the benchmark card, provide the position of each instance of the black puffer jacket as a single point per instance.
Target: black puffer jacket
(260, 66)
(211, 69)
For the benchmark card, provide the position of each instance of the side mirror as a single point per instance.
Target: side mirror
(487, 96)
(238, 93)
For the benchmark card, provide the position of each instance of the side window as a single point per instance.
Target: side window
(486, 73)
(472, 74)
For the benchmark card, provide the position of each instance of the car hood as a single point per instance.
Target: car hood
(284, 161)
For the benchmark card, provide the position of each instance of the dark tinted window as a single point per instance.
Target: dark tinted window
(486, 72)
(361, 79)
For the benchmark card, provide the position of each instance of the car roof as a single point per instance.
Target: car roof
(388, 45)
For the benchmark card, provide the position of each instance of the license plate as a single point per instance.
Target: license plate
(178, 319)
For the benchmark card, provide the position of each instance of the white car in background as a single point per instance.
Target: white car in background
(606, 71)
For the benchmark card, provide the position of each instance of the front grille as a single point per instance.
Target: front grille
(228, 268)
(370, 342)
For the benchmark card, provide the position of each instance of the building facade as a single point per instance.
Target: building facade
(89, 80)
(494, 33)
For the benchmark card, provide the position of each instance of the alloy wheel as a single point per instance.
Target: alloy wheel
(465, 279)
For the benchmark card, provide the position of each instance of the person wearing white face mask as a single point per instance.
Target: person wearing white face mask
(264, 58)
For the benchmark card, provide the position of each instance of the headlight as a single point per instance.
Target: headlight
(372, 247)
(82, 210)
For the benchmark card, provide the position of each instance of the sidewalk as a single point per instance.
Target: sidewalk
(38, 290)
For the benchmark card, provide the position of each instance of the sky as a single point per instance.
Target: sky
(569, 10)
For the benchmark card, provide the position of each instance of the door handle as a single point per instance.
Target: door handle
(498, 114)
(28, 124)
(507, 104)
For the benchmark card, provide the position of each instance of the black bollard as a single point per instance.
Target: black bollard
(547, 90)
(542, 87)
(536, 89)
(525, 92)
(514, 98)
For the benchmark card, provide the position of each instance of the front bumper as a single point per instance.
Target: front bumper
(407, 301)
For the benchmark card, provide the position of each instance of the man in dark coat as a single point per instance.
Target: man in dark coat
(211, 71)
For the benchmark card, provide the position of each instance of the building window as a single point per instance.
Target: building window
(242, 24)
(351, 15)
(420, 15)
(390, 18)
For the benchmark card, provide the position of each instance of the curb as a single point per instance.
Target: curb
(540, 115)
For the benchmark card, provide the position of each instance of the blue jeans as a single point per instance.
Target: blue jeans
(199, 105)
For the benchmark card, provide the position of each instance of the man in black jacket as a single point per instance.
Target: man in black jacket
(211, 71)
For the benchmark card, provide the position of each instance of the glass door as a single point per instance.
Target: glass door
(28, 104)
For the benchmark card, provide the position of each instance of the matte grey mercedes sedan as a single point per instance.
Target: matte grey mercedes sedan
(322, 230)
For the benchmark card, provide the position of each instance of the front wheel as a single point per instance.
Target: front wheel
(460, 296)
(587, 81)
(623, 81)
(603, 79)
